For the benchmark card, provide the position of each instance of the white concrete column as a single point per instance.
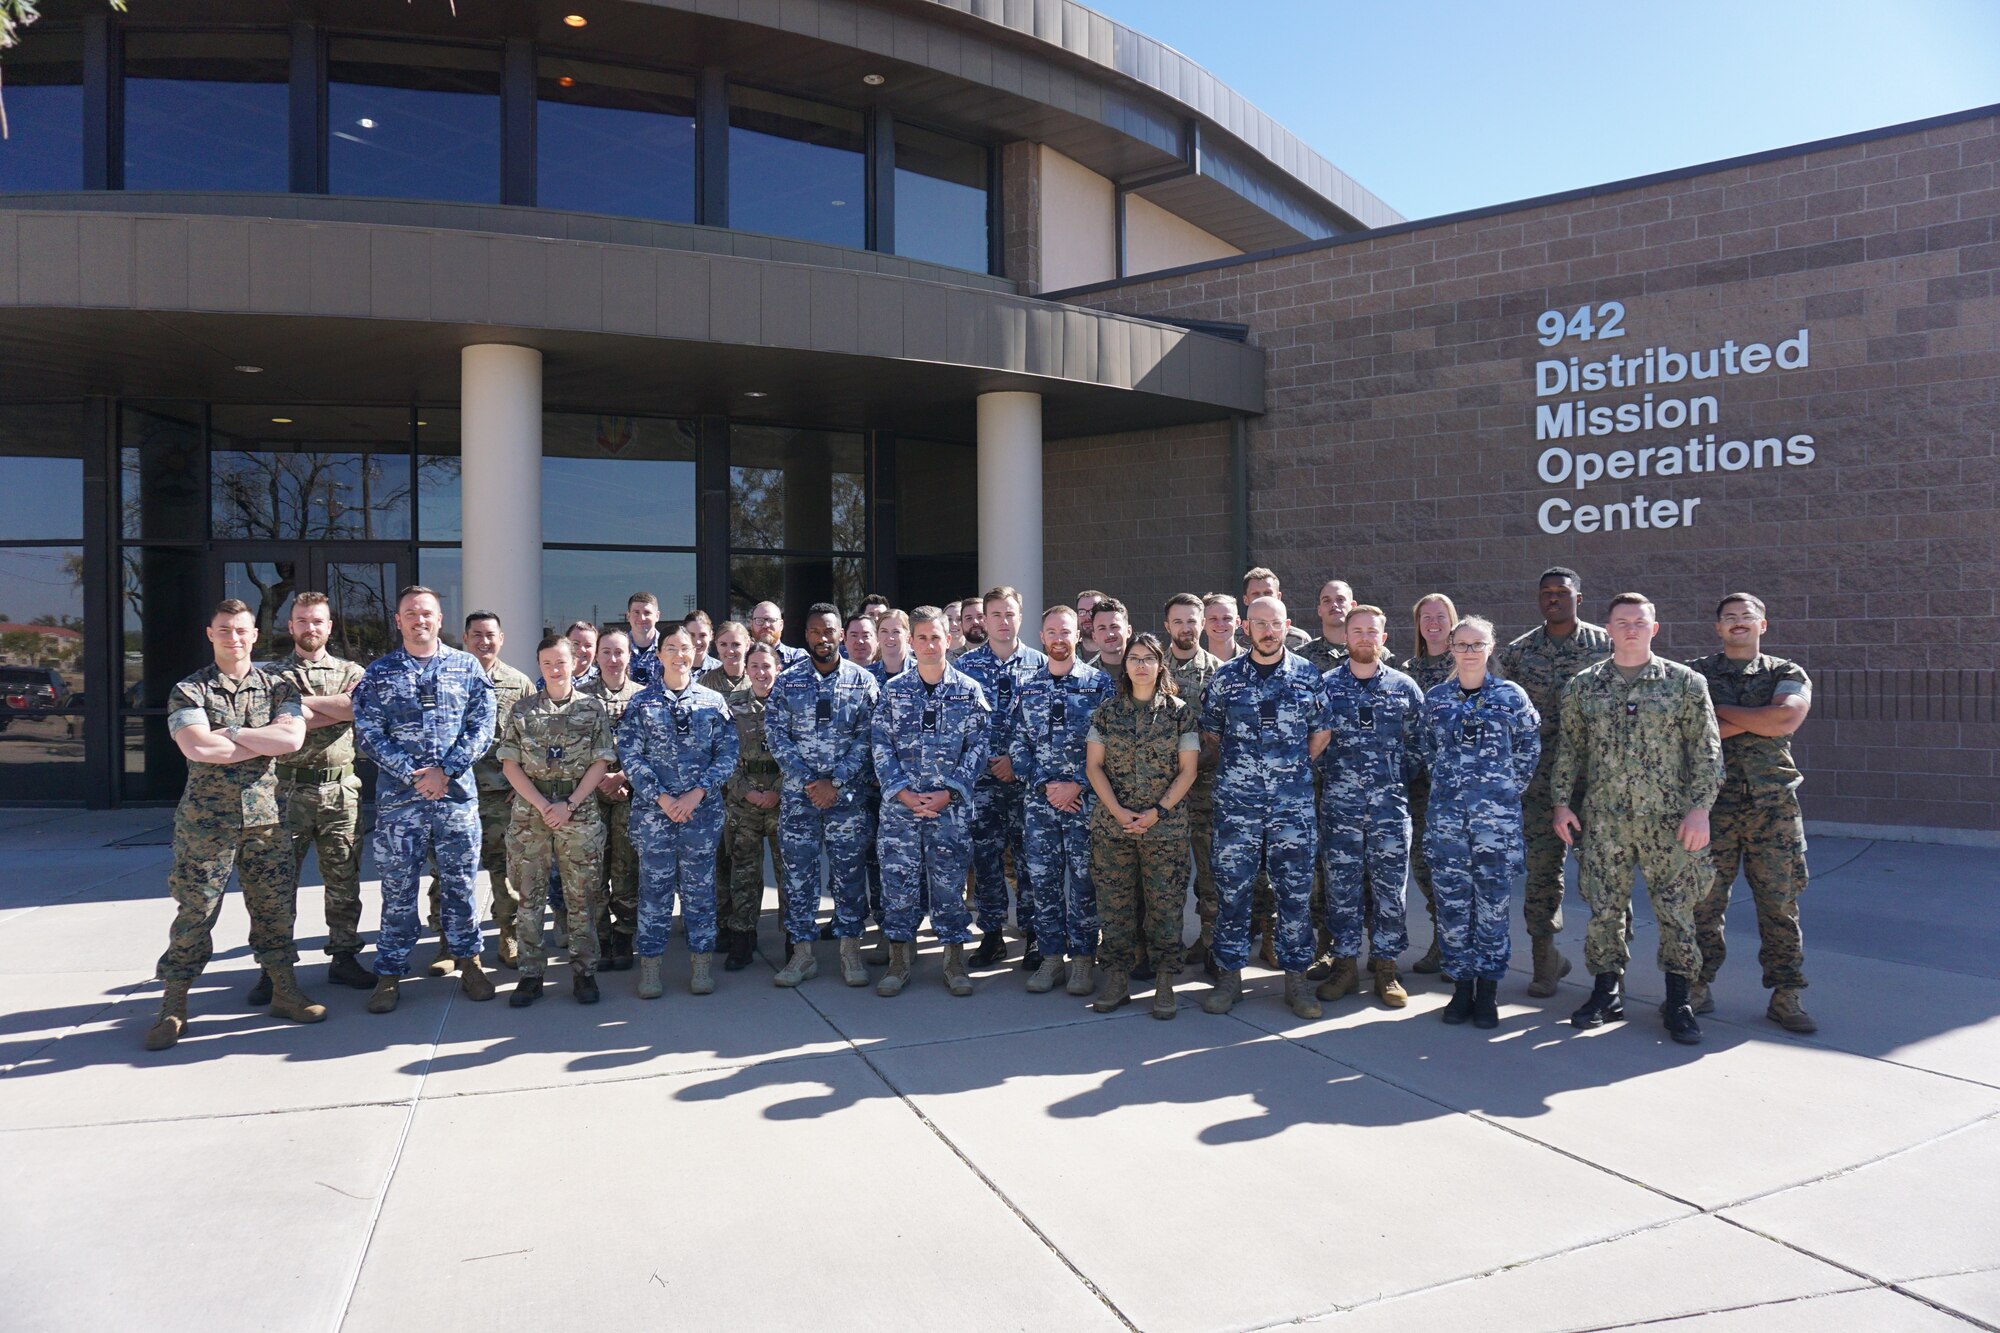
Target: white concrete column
(500, 491)
(1010, 497)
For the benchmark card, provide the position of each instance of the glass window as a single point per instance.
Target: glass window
(43, 149)
(162, 605)
(266, 587)
(794, 582)
(614, 140)
(440, 569)
(42, 497)
(625, 481)
(796, 490)
(207, 111)
(154, 769)
(408, 120)
(313, 472)
(941, 203)
(41, 673)
(593, 585)
(937, 521)
(161, 467)
(437, 475)
(796, 168)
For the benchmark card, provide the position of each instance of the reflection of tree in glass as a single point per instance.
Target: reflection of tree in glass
(310, 495)
(360, 593)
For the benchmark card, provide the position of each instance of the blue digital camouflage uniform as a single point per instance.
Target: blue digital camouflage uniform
(1364, 828)
(412, 713)
(671, 742)
(998, 826)
(1429, 672)
(819, 726)
(928, 739)
(1051, 726)
(882, 676)
(1264, 815)
(1481, 750)
(644, 666)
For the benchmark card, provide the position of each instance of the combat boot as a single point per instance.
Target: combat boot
(852, 970)
(442, 962)
(288, 1001)
(167, 1028)
(742, 947)
(1786, 1012)
(1343, 979)
(1606, 1003)
(1677, 1015)
(800, 967)
(1079, 975)
(1267, 942)
(1227, 991)
(387, 991)
(1485, 1003)
(1031, 952)
(1299, 994)
(620, 956)
(1114, 991)
(259, 993)
(701, 974)
(1431, 961)
(472, 979)
(1550, 967)
(583, 988)
(992, 948)
(1699, 998)
(955, 979)
(526, 991)
(901, 955)
(345, 971)
(1164, 1004)
(649, 977)
(508, 950)
(1047, 976)
(879, 955)
(1388, 986)
(1460, 1007)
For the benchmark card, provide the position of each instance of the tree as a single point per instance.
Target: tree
(14, 16)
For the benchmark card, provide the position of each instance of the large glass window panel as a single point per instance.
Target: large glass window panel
(41, 753)
(362, 594)
(594, 585)
(41, 625)
(796, 490)
(937, 521)
(267, 588)
(207, 111)
(315, 473)
(614, 140)
(409, 120)
(438, 475)
(154, 769)
(43, 149)
(163, 609)
(796, 168)
(162, 466)
(441, 569)
(41, 473)
(794, 582)
(624, 481)
(941, 199)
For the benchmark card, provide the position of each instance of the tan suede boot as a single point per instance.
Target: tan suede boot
(956, 979)
(1388, 986)
(800, 967)
(288, 1001)
(701, 974)
(1164, 1004)
(167, 1028)
(388, 991)
(853, 971)
(1114, 991)
(1550, 967)
(1079, 975)
(1048, 976)
(650, 987)
(901, 957)
(1299, 993)
(1227, 991)
(472, 979)
(1343, 979)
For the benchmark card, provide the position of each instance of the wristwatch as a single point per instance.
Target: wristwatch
(1160, 810)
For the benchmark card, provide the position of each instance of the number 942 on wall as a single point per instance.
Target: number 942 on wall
(1584, 323)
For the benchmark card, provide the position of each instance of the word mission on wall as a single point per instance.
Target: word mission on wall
(1659, 412)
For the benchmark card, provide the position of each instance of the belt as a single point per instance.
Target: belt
(555, 788)
(314, 777)
(762, 768)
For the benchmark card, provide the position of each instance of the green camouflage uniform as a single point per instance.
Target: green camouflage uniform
(321, 796)
(746, 829)
(621, 862)
(496, 799)
(1429, 673)
(1756, 821)
(1142, 747)
(1541, 666)
(1191, 678)
(555, 744)
(1644, 754)
(228, 818)
(1324, 654)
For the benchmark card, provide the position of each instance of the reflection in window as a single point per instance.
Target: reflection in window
(796, 490)
(154, 769)
(161, 467)
(362, 596)
(594, 585)
(314, 473)
(408, 120)
(41, 673)
(43, 149)
(438, 475)
(623, 481)
(41, 475)
(614, 140)
(937, 521)
(796, 168)
(207, 111)
(267, 588)
(794, 582)
(941, 201)
(162, 607)
(440, 569)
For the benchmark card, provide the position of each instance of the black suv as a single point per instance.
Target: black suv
(28, 692)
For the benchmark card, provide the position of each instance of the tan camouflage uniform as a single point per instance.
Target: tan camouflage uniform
(555, 744)
(1756, 821)
(1142, 747)
(1643, 754)
(1542, 666)
(228, 818)
(496, 800)
(321, 796)
(620, 918)
(747, 829)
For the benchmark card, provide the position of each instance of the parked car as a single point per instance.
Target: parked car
(29, 692)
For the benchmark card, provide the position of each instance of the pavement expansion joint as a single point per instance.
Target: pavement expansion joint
(1850, 1168)
(1719, 1310)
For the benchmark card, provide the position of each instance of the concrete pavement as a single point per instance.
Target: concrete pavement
(1007, 1161)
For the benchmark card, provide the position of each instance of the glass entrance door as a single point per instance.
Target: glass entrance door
(360, 580)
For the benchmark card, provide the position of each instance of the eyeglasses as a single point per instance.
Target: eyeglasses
(1471, 647)
(1256, 623)
(1740, 620)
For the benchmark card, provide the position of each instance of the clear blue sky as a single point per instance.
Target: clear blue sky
(1441, 105)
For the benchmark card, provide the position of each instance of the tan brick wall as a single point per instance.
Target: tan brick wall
(1398, 450)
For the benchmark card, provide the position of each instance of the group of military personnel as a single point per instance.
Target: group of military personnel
(931, 763)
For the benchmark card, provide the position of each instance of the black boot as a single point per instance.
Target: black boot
(992, 948)
(1485, 1008)
(583, 988)
(344, 971)
(1031, 956)
(1606, 1003)
(742, 947)
(1460, 1007)
(621, 952)
(526, 991)
(259, 993)
(1678, 1014)
(826, 931)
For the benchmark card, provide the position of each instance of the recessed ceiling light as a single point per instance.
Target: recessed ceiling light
(575, 20)
(251, 370)
(873, 80)
(365, 123)
(840, 203)
(566, 82)
(755, 393)
(281, 421)
(423, 423)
